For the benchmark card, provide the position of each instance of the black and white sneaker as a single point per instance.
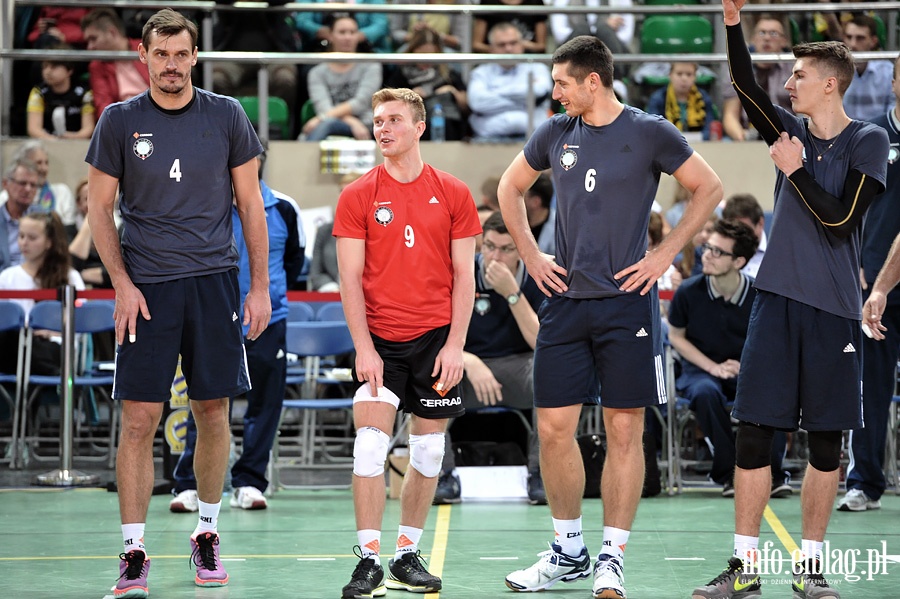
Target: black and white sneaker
(367, 579)
(408, 573)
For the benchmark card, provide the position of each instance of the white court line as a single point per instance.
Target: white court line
(685, 559)
(315, 559)
(233, 559)
(498, 558)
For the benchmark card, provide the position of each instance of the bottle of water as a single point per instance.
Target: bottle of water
(438, 124)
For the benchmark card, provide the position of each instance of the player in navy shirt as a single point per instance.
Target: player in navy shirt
(801, 361)
(178, 156)
(601, 322)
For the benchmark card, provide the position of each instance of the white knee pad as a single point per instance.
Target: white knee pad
(426, 453)
(369, 452)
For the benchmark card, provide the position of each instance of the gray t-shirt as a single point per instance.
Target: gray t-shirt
(606, 179)
(804, 261)
(175, 189)
(328, 88)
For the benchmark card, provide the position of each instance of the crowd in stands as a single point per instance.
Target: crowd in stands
(492, 102)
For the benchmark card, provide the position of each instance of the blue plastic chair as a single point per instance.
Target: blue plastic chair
(332, 311)
(12, 318)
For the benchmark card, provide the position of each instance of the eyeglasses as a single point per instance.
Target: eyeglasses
(716, 252)
(487, 246)
(26, 184)
(769, 33)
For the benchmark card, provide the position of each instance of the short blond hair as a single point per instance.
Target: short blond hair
(401, 94)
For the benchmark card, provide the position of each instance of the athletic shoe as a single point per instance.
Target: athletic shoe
(205, 555)
(186, 501)
(728, 490)
(536, 493)
(367, 579)
(810, 584)
(408, 573)
(448, 489)
(554, 566)
(856, 500)
(609, 580)
(732, 583)
(782, 489)
(248, 498)
(133, 570)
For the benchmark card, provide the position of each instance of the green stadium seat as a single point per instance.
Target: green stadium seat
(670, 34)
(279, 115)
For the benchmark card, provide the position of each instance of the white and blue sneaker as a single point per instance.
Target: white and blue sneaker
(609, 580)
(554, 566)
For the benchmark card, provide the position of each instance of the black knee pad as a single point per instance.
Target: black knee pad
(825, 450)
(753, 446)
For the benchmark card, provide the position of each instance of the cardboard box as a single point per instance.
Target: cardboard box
(397, 461)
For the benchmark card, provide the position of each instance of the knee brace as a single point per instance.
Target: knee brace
(426, 453)
(825, 450)
(369, 452)
(753, 446)
(364, 393)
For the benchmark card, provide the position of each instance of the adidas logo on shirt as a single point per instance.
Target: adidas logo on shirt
(849, 349)
(641, 333)
(233, 316)
(433, 200)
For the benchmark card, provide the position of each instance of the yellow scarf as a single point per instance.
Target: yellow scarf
(696, 110)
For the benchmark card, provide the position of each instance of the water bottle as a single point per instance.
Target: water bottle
(438, 124)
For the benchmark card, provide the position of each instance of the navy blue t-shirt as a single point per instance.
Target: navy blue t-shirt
(883, 218)
(605, 179)
(175, 189)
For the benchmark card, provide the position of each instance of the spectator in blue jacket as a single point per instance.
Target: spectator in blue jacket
(374, 29)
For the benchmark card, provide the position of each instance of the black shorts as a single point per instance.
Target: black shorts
(614, 341)
(197, 318)
(800, 367)
(407, 373)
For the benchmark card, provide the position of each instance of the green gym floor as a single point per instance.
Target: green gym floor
(64, 543)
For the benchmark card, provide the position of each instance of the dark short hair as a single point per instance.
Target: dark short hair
(543, 188)
(583, 55)
(167, 23)
(833, 59)
(495, 223)
(864, 21)
(103, 18)
(743, 205)
(745, 241)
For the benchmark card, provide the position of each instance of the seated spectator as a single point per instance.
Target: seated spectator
(489, 193)
(57, 108)
(498, 93)
(323, 268)
(870, 94)
(342, 91)
(85, 258)
(44, 265)
(19, 184)
(58, 25)
(484, 212)
(541, 213)
(49, 196)
(671, 279)
(683, 104)
(531, 27)
(500, 345)
(112, 81)
(768, 37)
(743, 207)
(372, 35)
(614, 30)
(257, 31)
(452, 27)
(708, 321)
(436, 83)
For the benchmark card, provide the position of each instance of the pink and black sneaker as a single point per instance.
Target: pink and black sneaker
(205, 556)
(133, 570)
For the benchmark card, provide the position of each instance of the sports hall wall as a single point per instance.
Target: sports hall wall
(293, 167)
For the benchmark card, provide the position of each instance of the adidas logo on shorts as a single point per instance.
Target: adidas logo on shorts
(849, 349)
(641, 333)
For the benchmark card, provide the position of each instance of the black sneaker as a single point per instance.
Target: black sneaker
(408, 573)
(448, 489)
(367, 579)
(536, 493)
(728, 489)
(781, 489)
(810, 584)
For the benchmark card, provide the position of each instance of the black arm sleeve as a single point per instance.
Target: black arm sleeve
(840, 215)
(754, 99)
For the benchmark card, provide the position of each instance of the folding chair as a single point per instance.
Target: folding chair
(12, 318)
(314, 341)
(91, 317)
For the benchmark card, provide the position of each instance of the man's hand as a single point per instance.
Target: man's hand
(873, 309)
(644, 274)
(257, 312)
(129, 303)
(732, 11)
(487, 388)
(787, 153)
(500, 278)
(548, 275)
(370, 369)
(726, 370)
(448, 367)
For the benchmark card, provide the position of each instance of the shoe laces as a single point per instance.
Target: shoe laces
(735, 566)
(204, 555)
(135, 567)
(362, 568)
(610, 563)
(813, 574)
(415, 562)
(549, 562)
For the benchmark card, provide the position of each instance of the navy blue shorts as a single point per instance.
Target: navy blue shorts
(614, 341)
(407, 373)
(800, 367)
(198, 318)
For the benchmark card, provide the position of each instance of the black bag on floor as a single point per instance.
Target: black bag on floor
(488, 453)
(593, 453)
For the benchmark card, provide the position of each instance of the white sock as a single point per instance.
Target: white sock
(407, 540)
(614, 541)
(209, 517)
(133, 537)
(745, 548)
(569, 536)
(811, 549)
(369, 542)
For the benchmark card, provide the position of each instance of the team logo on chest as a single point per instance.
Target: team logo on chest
(383, 214)
(569, 158)
(482, 304)
(893, 154)
(142, 147)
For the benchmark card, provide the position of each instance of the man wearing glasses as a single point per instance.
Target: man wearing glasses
(20, 182)
(708, 322)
